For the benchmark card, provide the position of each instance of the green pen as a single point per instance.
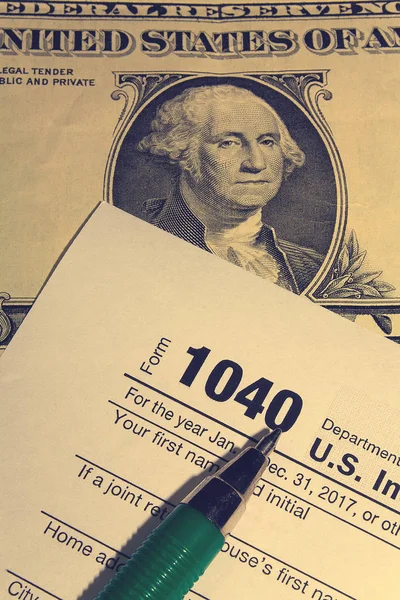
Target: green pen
(180, 549)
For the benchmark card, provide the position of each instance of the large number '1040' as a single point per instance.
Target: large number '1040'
(224, 380)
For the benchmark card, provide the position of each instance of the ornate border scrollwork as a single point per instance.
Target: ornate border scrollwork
(138, 88)
(5, 323)
(299, 85)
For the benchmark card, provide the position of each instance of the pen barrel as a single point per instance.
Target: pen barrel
(170, 561)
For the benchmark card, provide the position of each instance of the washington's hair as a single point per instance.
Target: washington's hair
(176, 128)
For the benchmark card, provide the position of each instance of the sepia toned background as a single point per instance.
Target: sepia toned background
(57, 143)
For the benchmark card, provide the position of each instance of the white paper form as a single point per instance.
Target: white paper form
(108, 422)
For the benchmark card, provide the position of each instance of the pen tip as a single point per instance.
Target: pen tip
(269, 441)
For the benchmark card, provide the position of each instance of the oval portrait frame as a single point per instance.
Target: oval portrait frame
(311, 208)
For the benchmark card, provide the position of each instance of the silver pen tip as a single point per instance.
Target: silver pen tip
(268, 442)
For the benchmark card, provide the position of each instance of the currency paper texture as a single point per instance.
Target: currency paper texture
(263, 133)
(108, 421)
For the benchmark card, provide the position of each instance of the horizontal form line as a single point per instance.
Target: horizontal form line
(278, 452)
(291, 566)
(196, 410)
(167, 430)
(34, 584)
(84, 533)
(230, 535)
(125, 480)
(304, 500)
(99, 542)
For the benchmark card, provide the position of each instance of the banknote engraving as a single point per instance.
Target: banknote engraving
(233, 160)
(245, 167)
(148, 11)
(5, 323)
(233, 152)
(291, 230)
(350, 280)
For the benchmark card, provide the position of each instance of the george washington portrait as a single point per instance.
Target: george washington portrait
(231, 153)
